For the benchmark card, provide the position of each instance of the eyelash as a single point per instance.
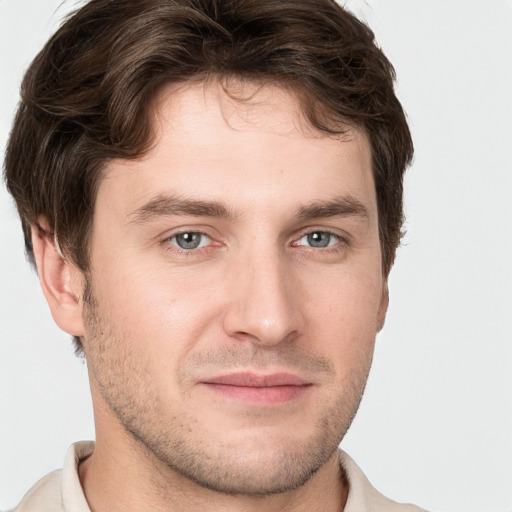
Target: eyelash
(336, 246)
(186, 252)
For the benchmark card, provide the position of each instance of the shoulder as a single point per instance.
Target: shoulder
(44, 496)
(363, 497)
(60, 491)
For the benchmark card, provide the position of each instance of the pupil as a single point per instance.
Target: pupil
(188, 240)
(318, 239)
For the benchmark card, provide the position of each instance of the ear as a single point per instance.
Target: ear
(61, 281)
(383, 306)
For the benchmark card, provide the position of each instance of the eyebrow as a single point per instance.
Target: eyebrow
(164, 206)
(346, 206)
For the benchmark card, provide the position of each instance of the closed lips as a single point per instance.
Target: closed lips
(258, 381)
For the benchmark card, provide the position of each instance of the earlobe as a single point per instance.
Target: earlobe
(60, 281)
(383, 307)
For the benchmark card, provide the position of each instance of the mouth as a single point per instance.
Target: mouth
(259, 390)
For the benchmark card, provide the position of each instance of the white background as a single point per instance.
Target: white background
(435, 427)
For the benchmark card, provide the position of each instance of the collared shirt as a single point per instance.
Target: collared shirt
(61, 491)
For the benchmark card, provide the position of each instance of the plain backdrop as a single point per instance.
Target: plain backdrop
(435, 427)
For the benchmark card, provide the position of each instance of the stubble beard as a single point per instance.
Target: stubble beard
(177, 442)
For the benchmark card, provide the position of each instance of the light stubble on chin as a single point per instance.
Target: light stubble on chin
(177, 441)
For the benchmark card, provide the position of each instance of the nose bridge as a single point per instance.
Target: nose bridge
(264, 306)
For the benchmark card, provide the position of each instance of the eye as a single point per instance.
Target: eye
(318, 239)
(190, 240)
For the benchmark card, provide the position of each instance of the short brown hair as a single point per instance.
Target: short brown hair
(86, 97)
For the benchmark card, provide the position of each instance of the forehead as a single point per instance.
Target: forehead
(251, 142)
(244, 105)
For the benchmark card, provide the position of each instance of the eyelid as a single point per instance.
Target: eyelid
(206, 230)
(167, 243)
(334, 236)
(342, 236)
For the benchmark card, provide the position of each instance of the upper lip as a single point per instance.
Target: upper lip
(249, 379)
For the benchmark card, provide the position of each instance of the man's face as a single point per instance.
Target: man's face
(235, 291)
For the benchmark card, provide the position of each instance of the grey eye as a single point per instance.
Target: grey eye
(190, 240)
(319, 239)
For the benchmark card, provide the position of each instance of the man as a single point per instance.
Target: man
(212, 194)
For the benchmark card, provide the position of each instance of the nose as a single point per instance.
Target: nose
(264, 305)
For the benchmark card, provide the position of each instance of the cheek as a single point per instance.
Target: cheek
(160, 307)
(343, 316)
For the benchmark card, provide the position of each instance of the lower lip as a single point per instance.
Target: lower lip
(263, 396)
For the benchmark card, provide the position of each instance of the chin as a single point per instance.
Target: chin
(258, 462)
(256, 471)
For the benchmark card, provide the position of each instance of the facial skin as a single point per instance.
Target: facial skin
(235, 362)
